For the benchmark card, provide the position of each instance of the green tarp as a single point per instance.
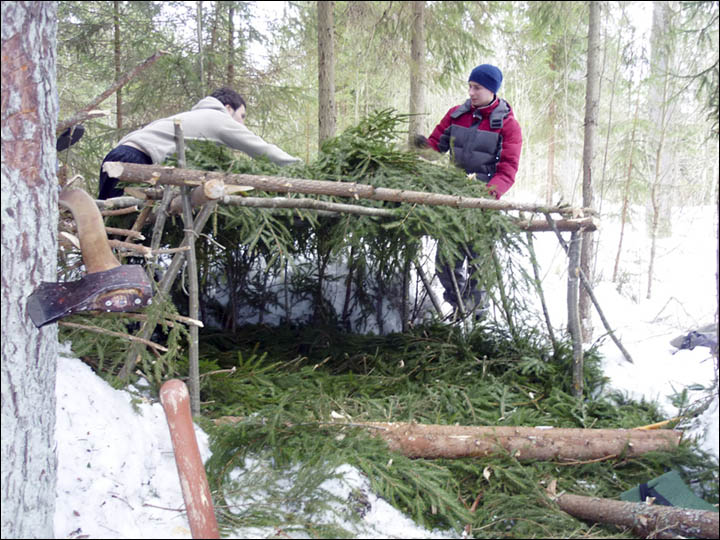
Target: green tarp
(672, 489)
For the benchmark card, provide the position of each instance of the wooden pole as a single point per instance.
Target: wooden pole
(573, 314)
(164, 287)
(191, 260)
(588, 287)
(157, 174)
(541, 294)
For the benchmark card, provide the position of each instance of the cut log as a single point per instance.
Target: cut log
(647, 521)
(158, 174)
(566, 445)
(523, 443)
(211, 190)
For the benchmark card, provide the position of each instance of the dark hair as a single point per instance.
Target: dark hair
(228, 96)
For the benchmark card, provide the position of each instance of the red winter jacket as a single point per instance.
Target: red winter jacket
(511, 133)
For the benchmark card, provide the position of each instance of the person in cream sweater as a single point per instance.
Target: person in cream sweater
(220, 117)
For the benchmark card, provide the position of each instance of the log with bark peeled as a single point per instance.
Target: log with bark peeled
(523, 443)
(647, 521)
(568, 445)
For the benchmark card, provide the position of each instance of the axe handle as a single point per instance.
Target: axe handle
(175, 400)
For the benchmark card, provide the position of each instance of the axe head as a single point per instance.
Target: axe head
(124, 288)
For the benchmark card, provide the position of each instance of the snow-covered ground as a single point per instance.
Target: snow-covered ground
(117, 476)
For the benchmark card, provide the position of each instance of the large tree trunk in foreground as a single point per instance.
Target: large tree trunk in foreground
(159, 174)
(647, 521)
(29, 255)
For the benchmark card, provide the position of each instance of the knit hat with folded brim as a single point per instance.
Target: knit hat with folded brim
(488, 76)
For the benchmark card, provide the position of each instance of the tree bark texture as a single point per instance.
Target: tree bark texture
(566, 445)
(523, 443)
(118, 73)
(417, 70)
(326, 71)
(231, 47)
(29, 244)
(647, 521)
(574, 326)
(159, 174)
(592, 99)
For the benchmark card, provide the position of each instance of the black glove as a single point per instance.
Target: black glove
(64, 141)
(444, 141)
(420, 141)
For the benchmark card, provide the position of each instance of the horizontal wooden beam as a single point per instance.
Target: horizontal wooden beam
(158, 174)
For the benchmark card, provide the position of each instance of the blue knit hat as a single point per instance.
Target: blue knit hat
(488, 76)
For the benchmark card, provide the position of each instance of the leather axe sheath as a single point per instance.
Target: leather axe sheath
(107, 285)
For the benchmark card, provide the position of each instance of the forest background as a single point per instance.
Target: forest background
(268, 51)
(656, 115)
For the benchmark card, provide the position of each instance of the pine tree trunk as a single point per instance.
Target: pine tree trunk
(118, 71)
(231, 48)
(29, 256)
(211, 63)
(201, 62)
(417, 70)
(646, 521)
(574, 327)
(326, 71)
(591, 107)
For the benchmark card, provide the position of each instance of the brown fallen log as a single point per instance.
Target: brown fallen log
(568, 445)
(647, 521)
(158, 174)
(523, 443)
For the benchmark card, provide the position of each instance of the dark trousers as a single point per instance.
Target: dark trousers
(473, 297)
(125, 154)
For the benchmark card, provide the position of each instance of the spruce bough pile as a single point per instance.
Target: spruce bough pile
(295, 385)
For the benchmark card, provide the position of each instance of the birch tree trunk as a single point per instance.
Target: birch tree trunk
(417, 70)
(29, 225)
(326, 71)
(591, 113)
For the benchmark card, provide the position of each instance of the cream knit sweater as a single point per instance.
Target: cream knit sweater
(208, 120)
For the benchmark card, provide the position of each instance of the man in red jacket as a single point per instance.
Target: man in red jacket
(484, 139)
